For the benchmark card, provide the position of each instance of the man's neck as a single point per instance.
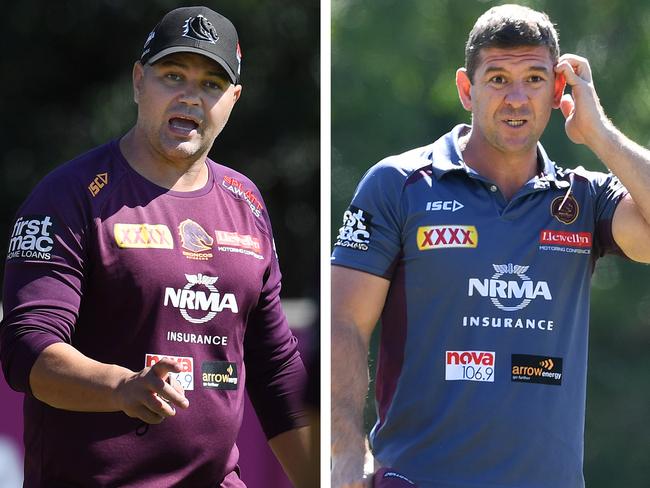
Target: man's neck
(509, 171)
(178, 175)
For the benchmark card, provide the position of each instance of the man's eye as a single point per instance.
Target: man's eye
(173, 76)
(536, 79)
(499, 80)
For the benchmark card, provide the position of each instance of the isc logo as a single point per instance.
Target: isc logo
(100, 181)
(446, 236)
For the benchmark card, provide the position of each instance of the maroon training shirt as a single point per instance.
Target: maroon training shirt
(128, 272)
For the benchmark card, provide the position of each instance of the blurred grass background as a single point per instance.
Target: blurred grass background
(393, 66)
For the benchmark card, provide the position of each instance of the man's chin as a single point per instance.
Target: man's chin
(186, 150)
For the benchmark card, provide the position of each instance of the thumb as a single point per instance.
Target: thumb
(567, 105)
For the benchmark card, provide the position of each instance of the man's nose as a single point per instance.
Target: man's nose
(517, 95)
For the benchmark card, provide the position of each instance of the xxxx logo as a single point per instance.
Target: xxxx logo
(446, 236)
(143, 236)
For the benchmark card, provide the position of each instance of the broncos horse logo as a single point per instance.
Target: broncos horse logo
(193, 237)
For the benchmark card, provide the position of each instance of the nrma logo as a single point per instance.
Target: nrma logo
(517, 292)
(192, 298)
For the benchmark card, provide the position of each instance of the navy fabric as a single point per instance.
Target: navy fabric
(481, 378)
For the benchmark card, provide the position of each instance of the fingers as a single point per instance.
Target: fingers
(173, 393)
(574, 68)
(169, 390)
(567, 105)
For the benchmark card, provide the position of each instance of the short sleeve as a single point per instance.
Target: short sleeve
(608, 192)
(44, 278)
(370, 238)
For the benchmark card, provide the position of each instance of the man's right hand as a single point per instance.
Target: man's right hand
(152, 394)
(65, 378)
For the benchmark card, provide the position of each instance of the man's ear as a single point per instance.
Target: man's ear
(237, 92)
(138, 78)
(558, 89)
(464, 87)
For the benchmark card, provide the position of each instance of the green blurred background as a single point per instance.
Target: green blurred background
(393, 66)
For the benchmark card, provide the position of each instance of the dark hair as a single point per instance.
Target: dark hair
(510, 26)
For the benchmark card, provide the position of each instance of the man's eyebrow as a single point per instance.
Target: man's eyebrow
(494, 69)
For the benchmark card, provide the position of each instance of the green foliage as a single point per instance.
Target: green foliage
(393, 66)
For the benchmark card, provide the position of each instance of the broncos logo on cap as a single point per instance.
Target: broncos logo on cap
(201, 29)
(193, 237)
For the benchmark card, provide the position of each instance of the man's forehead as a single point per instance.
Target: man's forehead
(187, 60)
(521, 56)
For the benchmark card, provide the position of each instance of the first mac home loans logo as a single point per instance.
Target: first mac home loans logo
(356, 229)
(32, 238)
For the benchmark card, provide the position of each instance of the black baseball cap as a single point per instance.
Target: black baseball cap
(195, 30)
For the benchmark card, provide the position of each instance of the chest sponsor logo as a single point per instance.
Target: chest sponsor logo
(185, 377)
(565, 209)
(32, 237)
(199, 301)
(562, 241)
(220, 375)
(239, 243)
(143, 236)
(470, 366)
(356, 230)
(509, 288)
(237, 188)
(446, 236)
(195, 240)
(99, 182)
(536, 369)
(444, 205)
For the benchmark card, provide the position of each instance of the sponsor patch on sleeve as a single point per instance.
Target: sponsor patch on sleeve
(527, 368)
(356, 230)
(32, 237)
(219, 375)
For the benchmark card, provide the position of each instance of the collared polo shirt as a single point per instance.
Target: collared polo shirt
(481, 376)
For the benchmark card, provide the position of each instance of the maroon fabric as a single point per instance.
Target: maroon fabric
(389, 478)
(128, 272)
(392, 343)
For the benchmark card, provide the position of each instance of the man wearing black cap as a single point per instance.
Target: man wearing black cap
(142, 292)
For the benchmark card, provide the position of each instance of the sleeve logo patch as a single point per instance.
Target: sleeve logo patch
(219, 375)
(356, 230)
(545, 370)
(32, 237)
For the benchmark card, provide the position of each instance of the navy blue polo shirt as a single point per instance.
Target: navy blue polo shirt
(481, 376)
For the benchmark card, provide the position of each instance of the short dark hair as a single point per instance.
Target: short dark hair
(510, 26)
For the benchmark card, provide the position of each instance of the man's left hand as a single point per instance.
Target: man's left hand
(585, 117)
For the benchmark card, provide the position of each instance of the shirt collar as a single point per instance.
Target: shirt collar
(445, 156)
